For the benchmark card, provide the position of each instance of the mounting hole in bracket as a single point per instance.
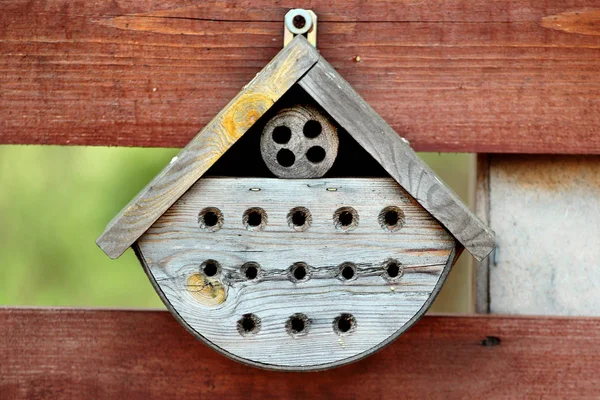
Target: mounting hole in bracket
(298, 21)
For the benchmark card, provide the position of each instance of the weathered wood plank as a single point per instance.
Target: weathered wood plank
(473, 75)
(66, 354)
(413, 244)
(212, 142)
(395, 155)
(545, 211)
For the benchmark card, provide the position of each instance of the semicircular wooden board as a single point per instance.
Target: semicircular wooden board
(297, 274)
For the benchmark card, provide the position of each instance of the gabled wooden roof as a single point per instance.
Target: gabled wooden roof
(255, 99)
(299, 62)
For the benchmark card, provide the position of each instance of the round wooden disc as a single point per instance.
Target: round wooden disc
(290, 274)
(299, 142)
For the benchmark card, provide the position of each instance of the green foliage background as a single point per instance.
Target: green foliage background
(55, 201)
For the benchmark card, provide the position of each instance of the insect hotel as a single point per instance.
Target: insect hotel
(297, 230)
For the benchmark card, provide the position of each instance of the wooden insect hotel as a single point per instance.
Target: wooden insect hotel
(297, 230)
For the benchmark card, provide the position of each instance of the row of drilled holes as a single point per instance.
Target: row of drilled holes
(296, 325)
(300, 271)
(300, 218)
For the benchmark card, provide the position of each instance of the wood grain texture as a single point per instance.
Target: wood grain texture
(300, 130)
(204, 150)
(545, 210)
(103, 354)
(583, 22)
(175, 249)
(396, 156)
(468, 75)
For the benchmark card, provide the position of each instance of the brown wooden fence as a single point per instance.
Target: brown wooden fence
(66, 353)
(461, 75)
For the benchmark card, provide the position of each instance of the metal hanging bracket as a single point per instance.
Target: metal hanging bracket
(300, 22)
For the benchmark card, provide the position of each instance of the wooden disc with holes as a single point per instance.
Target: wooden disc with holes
(299, 142)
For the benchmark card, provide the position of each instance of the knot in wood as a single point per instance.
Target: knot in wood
(299, 142)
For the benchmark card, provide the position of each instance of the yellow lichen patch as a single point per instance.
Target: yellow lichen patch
(244, 112)
(207, 291)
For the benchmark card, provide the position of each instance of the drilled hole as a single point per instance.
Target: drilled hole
(347, 271)
(344, 324)
(255, 219)
(393, 269)
(286, 158)
(316, 154)
(210, 219)
(299, 272)
(391, 218)
(297, 325)
(312, 129)
(299, 218)
(282, 134)
(345, 218)
(250, 270)
(210, 267)
(249, 324)
(299, 21)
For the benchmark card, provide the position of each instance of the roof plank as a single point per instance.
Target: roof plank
(395, 155)
(473, 75)
(65, 354)
(212, 142)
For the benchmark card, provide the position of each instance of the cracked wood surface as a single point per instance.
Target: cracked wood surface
(470, 75)
(104, 354)
(176, 247)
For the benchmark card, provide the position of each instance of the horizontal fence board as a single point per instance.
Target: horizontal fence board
(62, 353)
(462, 75)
